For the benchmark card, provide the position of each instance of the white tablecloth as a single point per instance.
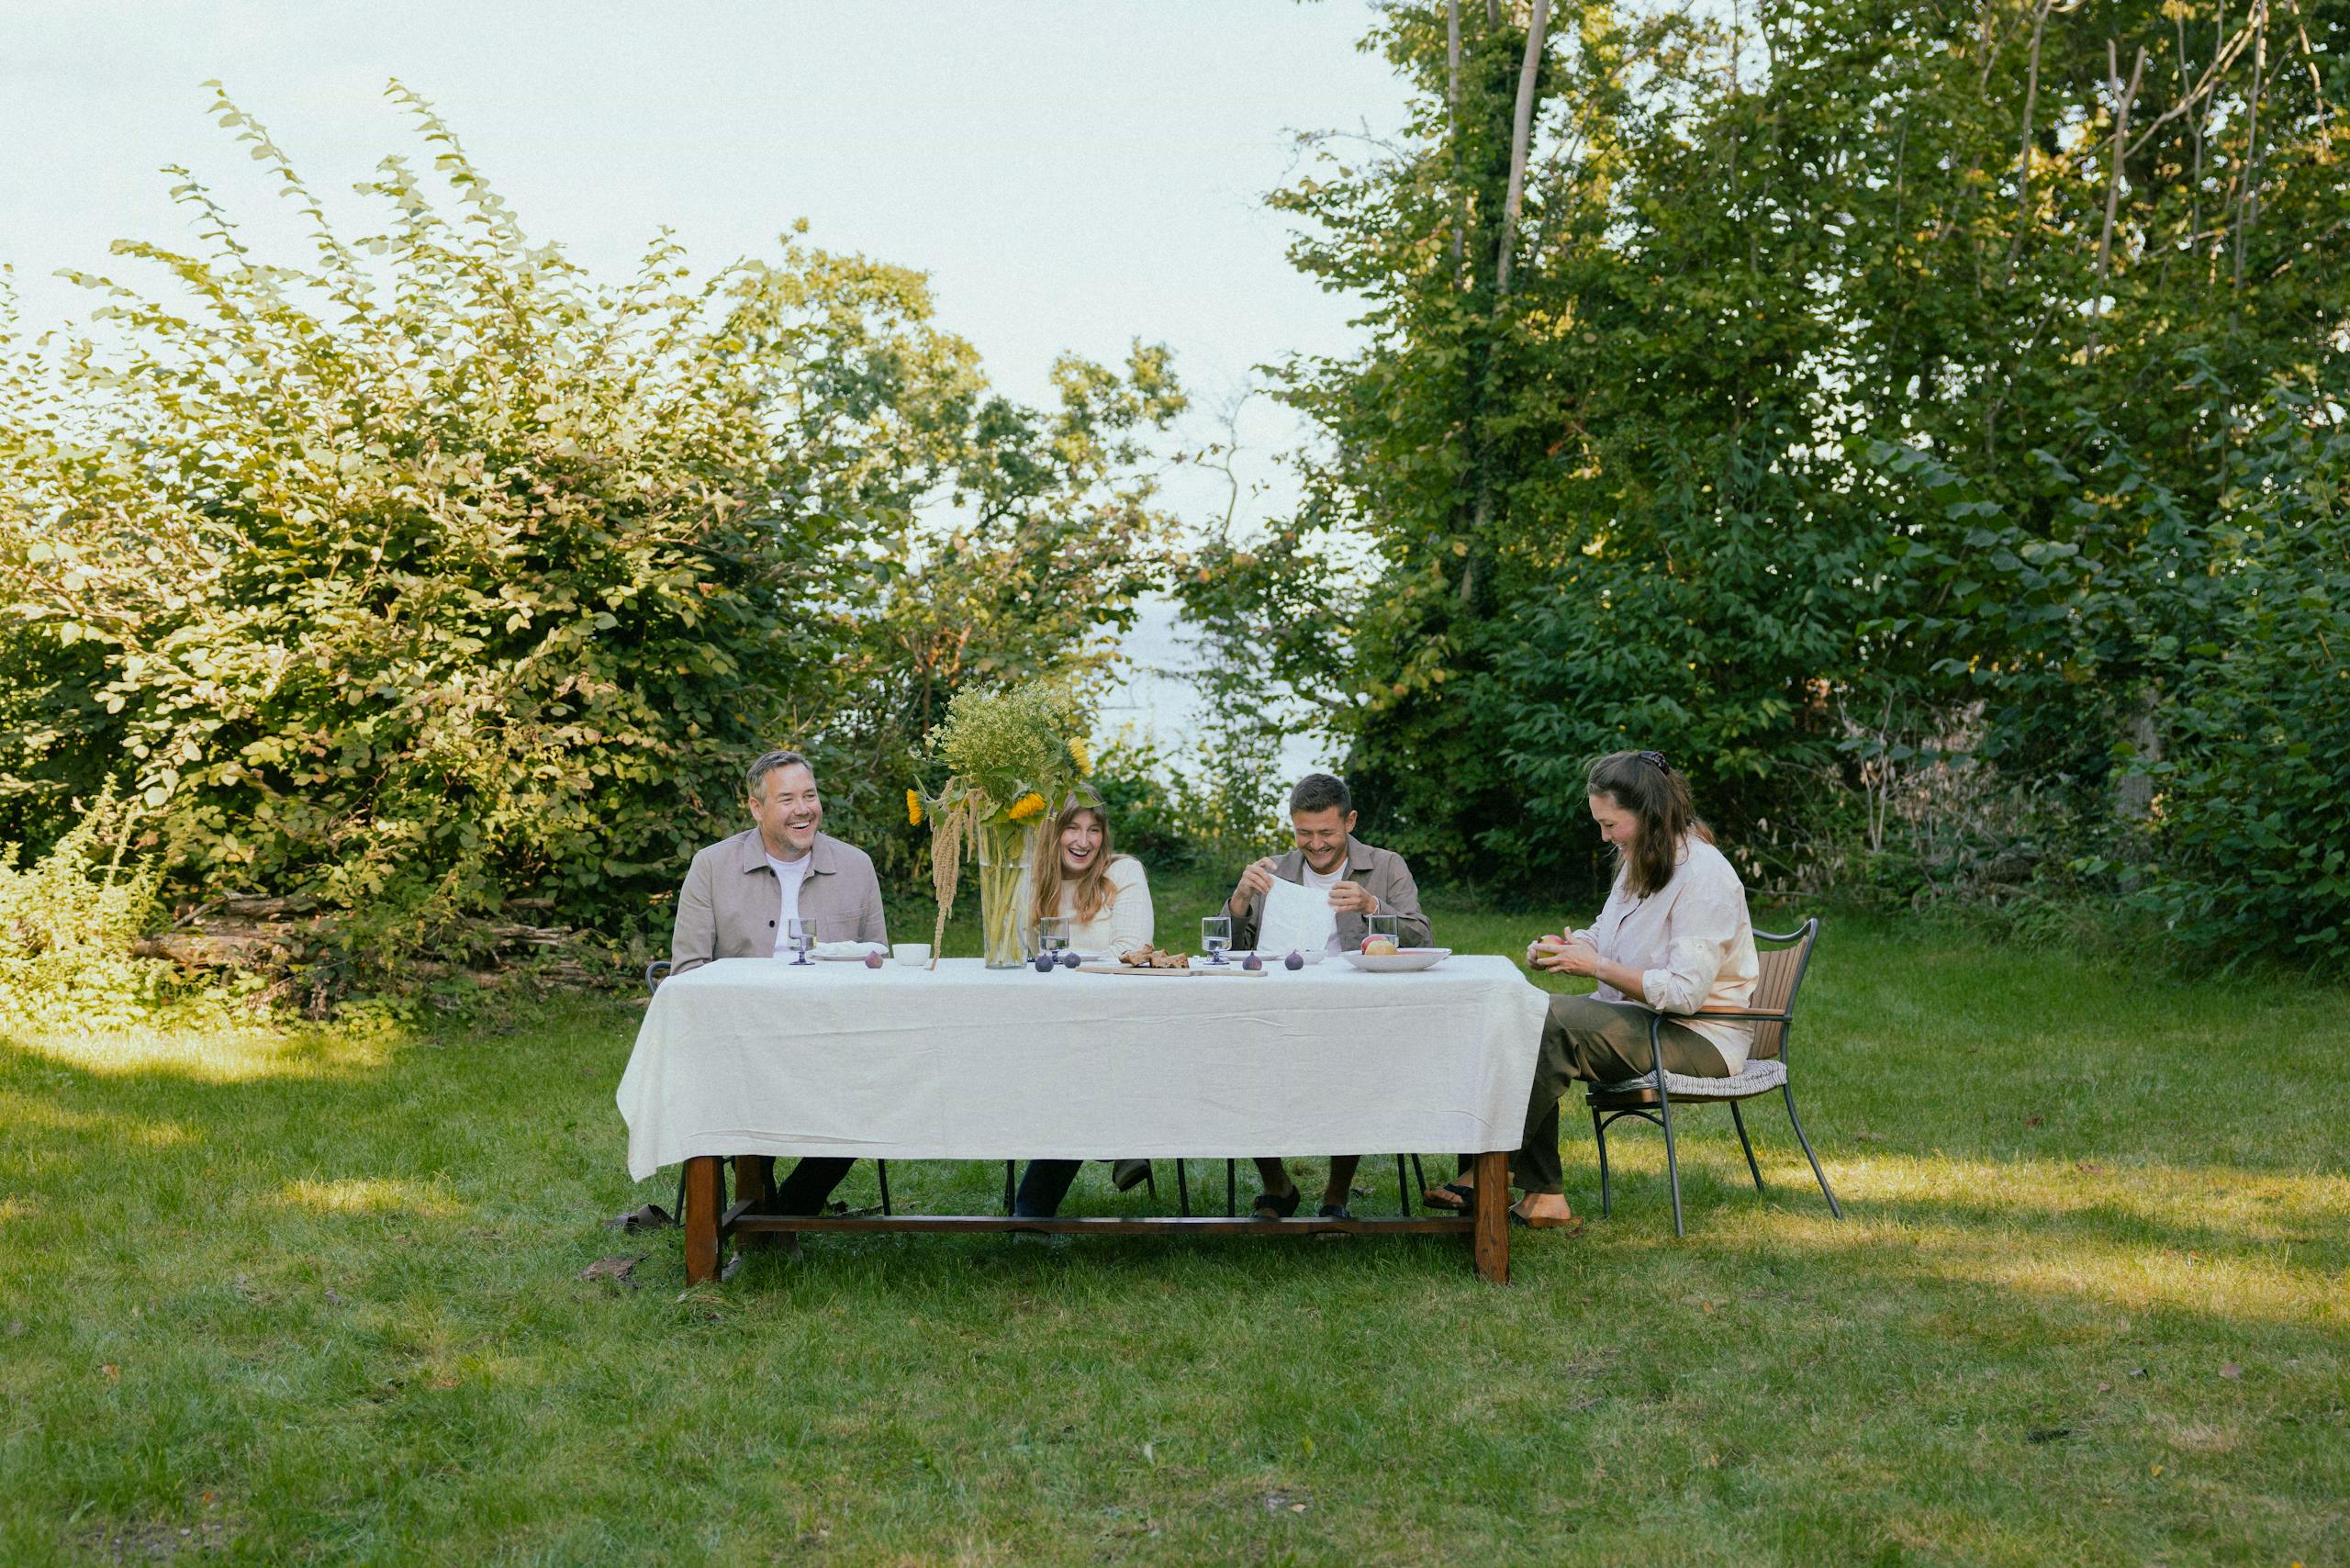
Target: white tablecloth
(756, 1056)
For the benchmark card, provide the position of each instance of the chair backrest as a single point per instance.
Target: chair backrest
(1782, 976)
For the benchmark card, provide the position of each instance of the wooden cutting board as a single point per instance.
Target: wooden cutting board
(1204, 971)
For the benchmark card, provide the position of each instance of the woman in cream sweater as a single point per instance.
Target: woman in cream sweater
(1106, 898)
(1104, 895)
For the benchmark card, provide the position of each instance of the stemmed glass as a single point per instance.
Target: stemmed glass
(1215, 937)
(1052, 935)
(800, 936)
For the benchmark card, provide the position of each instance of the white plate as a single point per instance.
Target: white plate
(1399, 963)
(845, 952)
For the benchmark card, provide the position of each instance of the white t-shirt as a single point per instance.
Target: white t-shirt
(1322, 882)
(789, 874)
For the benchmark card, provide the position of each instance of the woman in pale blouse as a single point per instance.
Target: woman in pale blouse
(1674, 937)
(1105, 897)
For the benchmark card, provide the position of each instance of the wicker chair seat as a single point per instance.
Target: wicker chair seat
(1755, 1078)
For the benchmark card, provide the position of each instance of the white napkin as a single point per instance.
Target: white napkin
(846, 949)
(1297, 920)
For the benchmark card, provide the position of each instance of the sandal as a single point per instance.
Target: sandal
(1461, 1201)
(1267, 1207)
(1334, 1211)
(1570, 1225)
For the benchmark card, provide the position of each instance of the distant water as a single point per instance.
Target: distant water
(1160, 700)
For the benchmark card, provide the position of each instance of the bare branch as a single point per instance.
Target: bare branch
(2202, 89)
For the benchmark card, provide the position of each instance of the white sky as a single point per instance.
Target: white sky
(1071, 176)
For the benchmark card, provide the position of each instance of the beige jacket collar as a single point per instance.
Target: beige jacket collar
(751, 854)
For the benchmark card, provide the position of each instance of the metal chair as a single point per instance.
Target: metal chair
(1651, 1095)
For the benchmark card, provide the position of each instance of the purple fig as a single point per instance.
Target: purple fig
(1045, 963)
(1069, 959)
(1252, 963)
(872, 960)
(1294, 962)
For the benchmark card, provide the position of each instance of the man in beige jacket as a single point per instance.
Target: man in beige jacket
(741, 894)
(1361, 881)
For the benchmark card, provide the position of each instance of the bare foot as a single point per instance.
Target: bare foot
(1545, 1209)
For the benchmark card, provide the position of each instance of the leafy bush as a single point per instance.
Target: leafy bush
(435, 574)
(2250, 817)
(68, 922)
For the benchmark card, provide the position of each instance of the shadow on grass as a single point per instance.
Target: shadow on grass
(434, 1138)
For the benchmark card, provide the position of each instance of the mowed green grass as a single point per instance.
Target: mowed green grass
(315, 1294)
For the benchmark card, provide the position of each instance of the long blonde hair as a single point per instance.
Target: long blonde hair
(1094, 893)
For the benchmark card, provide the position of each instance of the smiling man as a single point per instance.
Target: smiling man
(740, 893)
(1360, 880)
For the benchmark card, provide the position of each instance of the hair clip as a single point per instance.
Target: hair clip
(1656, 759)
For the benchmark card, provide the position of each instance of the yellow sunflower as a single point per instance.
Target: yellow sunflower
(913, 808)
(1079, 754)
(1027, 807)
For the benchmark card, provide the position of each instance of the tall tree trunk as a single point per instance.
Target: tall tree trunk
(2248, 204)
(1452, 108)
(1537, 29)
(2113, 180)
(1521, 132)
(2024, 158)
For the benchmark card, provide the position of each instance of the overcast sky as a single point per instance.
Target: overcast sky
(1071, 176)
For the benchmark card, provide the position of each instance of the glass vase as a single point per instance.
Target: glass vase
(1003, 862)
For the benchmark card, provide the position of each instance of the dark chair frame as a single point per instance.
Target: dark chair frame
(1651, 1099)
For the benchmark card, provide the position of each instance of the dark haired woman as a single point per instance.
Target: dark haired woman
(1105, 897)
(1674, 937)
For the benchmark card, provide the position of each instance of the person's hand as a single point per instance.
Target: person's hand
(1575, 955)
(1348, 898)
(1255, 882)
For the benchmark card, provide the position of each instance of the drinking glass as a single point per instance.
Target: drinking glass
(800, 936)
(1052, 934)
(1383, 926)
(1215, 937)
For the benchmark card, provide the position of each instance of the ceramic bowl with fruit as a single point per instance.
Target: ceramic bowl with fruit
(1380, 956)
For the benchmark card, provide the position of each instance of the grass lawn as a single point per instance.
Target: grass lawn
(288, 1294)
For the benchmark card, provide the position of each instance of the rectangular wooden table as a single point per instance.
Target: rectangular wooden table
(761, 1058)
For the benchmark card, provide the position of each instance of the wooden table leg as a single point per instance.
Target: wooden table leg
(1492, 1237)
(753, 1176)
(702, 1219)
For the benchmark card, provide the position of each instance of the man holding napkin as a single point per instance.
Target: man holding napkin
(742, 894)
(1337, 879)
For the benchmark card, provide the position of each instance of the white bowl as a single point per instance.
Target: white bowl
(1398, 963)
(913, 954)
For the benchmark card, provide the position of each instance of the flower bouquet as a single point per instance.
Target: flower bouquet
(1008, 753)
